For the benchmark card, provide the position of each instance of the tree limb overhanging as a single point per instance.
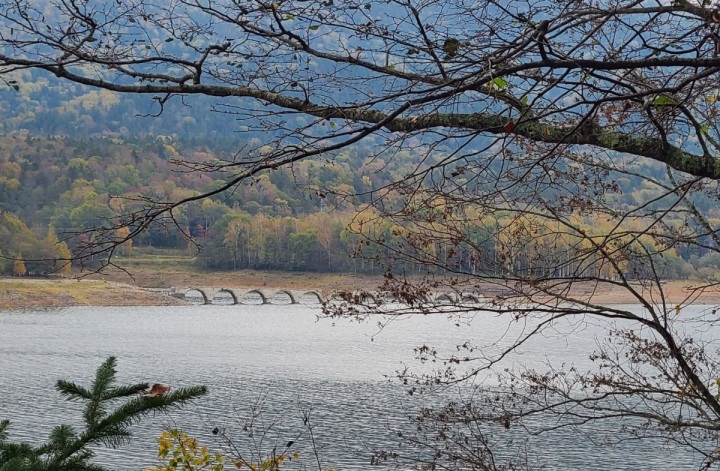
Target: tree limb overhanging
(605, 137)
(494, 80)
(532, 120)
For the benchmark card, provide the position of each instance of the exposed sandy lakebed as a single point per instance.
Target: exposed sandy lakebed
(18, 293)
(36, 293)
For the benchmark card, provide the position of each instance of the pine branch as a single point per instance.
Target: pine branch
(114, 437)
(80, 463)
(4, 424)
(125, 391)
(135, 409)
(104, 377)
(61, 437)
(19, 457)
(94, 412)
(67, 450)
(72, 390)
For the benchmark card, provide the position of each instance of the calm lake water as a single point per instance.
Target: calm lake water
(283, 363)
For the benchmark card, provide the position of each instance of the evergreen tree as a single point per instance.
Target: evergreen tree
(68, 450)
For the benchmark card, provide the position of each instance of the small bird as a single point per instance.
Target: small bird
(157, 390)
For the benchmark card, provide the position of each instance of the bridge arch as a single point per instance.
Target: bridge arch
(281, 292)
(445, 298)
(367, 298)
(471, 298)
(390, 298)
(317, 297)
(254, 293)
(336, 297)
(196, 293)
(224, 293)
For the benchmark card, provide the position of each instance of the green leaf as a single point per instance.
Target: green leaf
(498, 83)
(314, 28)
(91, 39)
(663, 100)
(368, 6)
(169, 40)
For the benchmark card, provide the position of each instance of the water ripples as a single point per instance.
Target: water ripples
(281, 361)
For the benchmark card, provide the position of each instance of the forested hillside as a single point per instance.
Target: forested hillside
(72, 158)
(307, 217)
(289, 219)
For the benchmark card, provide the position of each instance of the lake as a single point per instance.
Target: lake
(277, 363)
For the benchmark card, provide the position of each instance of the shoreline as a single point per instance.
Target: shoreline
(153, 289)
(30, 293)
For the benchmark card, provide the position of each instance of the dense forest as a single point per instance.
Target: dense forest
(283, 220)
(313, 216)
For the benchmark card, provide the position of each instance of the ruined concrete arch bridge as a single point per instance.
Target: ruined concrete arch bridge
(212, 295)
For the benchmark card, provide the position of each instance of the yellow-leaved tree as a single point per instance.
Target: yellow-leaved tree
(19, 267)
(63, 255)
(123, 233)
(179, 451)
